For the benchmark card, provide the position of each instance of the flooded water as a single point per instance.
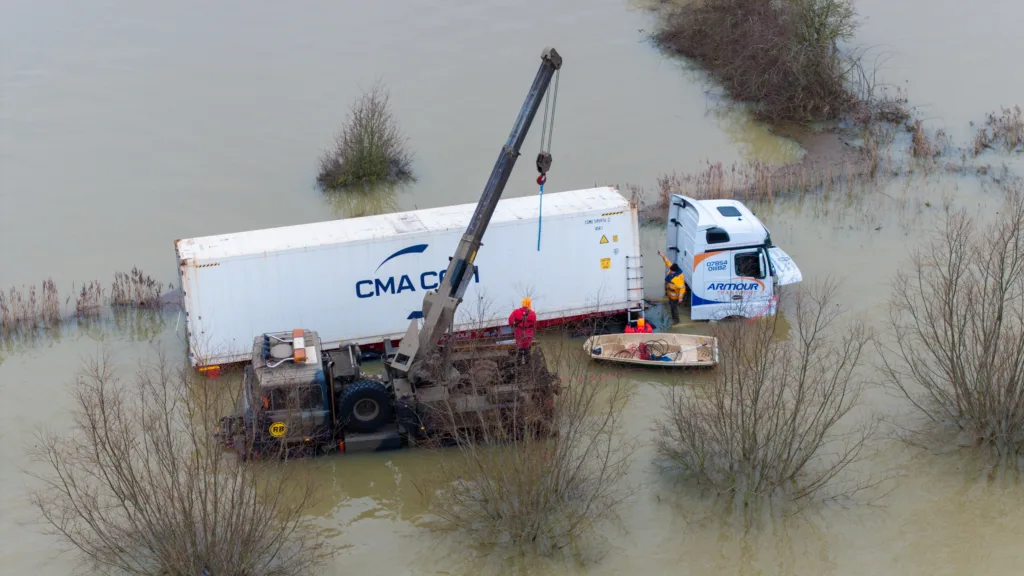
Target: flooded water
(955, 60)
(125, 125)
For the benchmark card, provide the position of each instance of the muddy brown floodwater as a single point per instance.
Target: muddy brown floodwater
(125, 125)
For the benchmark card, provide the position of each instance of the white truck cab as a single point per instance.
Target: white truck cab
(727, 258)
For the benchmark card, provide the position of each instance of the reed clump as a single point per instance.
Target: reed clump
(89, 301)
(1001, 130)
(135, 290)
(26, 309)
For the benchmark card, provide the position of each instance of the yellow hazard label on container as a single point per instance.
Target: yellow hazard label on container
(606, 263)
(604, 239)
(278, 429)
(615, 238)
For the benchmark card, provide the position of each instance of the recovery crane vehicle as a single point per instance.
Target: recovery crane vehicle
(299, 400)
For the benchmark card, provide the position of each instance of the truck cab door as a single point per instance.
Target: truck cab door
(709, 298)
(751, 288)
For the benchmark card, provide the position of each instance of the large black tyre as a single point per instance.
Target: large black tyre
(365, 406)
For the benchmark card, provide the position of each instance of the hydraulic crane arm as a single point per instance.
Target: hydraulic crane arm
(439, 306)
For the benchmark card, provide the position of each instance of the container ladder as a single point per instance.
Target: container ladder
(634, 289)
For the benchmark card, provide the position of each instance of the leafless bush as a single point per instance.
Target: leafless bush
(135, 289)
(1004, 130)
(138, 486)
(957, 316)
(769, 425)
(781, 55)
(370, 149)
(89, 301)
(534, 474)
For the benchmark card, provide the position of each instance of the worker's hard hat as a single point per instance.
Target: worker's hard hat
(640, 322)
(527, 302)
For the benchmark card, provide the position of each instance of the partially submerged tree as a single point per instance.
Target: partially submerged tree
(537, 475)
(370, 149)
(957, 316)
(781, 55)
(769, 422)
(137, 484)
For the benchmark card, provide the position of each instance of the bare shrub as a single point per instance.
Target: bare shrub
(1004, 130)
(370, 149)
(769, 424)
(536, 475)
(135, 290)
(138, 486)
(957, 317)
(781, 55)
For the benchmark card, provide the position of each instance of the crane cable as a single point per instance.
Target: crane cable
(544, 156)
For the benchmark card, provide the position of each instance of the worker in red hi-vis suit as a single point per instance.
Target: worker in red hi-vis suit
(642, 327)
(524, 321)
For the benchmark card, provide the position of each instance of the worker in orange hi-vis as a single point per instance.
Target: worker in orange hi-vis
(524, 321)
(675, 286)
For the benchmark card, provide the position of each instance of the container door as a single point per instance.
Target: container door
(785, 269)
(709, 298)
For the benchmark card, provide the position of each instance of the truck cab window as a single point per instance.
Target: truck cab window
(275, 399)
(748, 264)
(308, 397)
(716, 236)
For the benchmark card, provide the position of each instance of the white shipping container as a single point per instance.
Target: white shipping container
(361, 280)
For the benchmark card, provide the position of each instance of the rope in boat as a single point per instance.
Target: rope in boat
(652, 350)
(649, 348)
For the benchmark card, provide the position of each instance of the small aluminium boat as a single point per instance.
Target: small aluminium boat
(657, 349)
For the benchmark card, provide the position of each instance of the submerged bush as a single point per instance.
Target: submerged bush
(957, 348)
(534, 476)
(781, 55)
(370, 149)
(768, 424)
(137, 484)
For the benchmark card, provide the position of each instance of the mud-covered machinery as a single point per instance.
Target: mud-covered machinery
(296, 397)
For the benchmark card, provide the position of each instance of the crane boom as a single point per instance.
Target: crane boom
(439, 305)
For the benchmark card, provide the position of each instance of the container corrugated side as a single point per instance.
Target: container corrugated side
(363, 292)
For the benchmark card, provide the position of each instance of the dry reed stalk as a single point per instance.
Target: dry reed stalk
(50, 310)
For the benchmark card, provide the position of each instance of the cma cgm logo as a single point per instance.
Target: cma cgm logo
(737, 285)
(398, 283)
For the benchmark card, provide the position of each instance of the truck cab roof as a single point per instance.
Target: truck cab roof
(276, 360)
(740, 225)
